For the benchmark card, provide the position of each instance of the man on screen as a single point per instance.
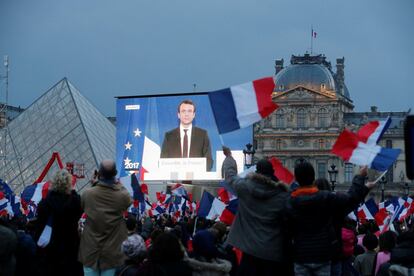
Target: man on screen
(187, 140)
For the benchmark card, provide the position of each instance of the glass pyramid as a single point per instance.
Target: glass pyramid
(61, 120)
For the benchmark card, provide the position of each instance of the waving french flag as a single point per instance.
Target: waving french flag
(35, 193)
(361, 148)
(242, 105)
(368, 210)
(372, 132)
(281, 172)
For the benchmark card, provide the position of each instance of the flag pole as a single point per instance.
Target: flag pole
(381, 175)
(221, 140)
(311, 39)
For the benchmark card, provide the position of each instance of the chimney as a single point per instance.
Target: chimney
(278, 65)
(374, 108)
(340, 75)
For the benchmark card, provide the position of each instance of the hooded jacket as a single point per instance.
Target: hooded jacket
(258, 228)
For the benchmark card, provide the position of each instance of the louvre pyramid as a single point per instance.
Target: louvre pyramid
(61, 120)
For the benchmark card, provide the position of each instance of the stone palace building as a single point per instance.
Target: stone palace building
(314, 107)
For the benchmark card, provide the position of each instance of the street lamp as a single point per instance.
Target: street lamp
(406, 188)
(248, 155)
(333, 172)
(383, 181)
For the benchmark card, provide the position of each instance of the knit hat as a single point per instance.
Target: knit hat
(134, 246)
(204, 244)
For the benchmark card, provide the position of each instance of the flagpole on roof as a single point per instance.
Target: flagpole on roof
(311, 51)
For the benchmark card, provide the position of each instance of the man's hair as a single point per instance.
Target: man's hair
(387, 241)
(226, 151)
(370, 241)
(304, 173)
(107, 169)
(264, 167)
(186, 102)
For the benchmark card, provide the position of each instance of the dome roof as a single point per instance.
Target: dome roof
(313, 72)
(312, 76)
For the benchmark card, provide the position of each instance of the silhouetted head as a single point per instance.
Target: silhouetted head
(264, 167)
(226, 151)
(304, 174)
(107, 169)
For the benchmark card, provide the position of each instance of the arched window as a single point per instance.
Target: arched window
(301, 118)
(280, 119)
(323, 117)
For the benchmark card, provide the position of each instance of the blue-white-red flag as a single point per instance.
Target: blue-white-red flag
(35, 192)
(133, 187)
(367, 210)
(179, 190)
(7, 191)
(373, 131)
(361, 148)
(210, 207)
(407, 208)
(229, 213)
(242, 105)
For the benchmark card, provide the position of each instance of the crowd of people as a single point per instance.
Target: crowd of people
(278, 230)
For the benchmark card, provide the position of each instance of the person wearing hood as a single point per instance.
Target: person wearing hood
(258, 229)
(62, 206)
(105, 228)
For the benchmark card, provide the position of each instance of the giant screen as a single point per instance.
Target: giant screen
(141, 126)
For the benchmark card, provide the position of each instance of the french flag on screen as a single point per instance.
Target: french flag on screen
(242, 105)
(361, 148)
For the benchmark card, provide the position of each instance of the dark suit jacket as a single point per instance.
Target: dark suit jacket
(199, 147)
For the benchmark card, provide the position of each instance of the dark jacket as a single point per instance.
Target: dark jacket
(130, 268)
(61, 252)
(258, 228)
(8, 245)
(311, 216)
(179, 268)
(199, 145)
(402, 259)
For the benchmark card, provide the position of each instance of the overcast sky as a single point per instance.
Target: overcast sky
(131, 47)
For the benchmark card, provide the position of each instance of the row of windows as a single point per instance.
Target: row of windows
(320, 144)
(301, 121)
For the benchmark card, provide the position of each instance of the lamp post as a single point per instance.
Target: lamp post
(383, 181)
(248, 155)
(406, 188)
(333, 172)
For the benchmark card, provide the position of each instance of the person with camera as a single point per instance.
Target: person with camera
(105, 229)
